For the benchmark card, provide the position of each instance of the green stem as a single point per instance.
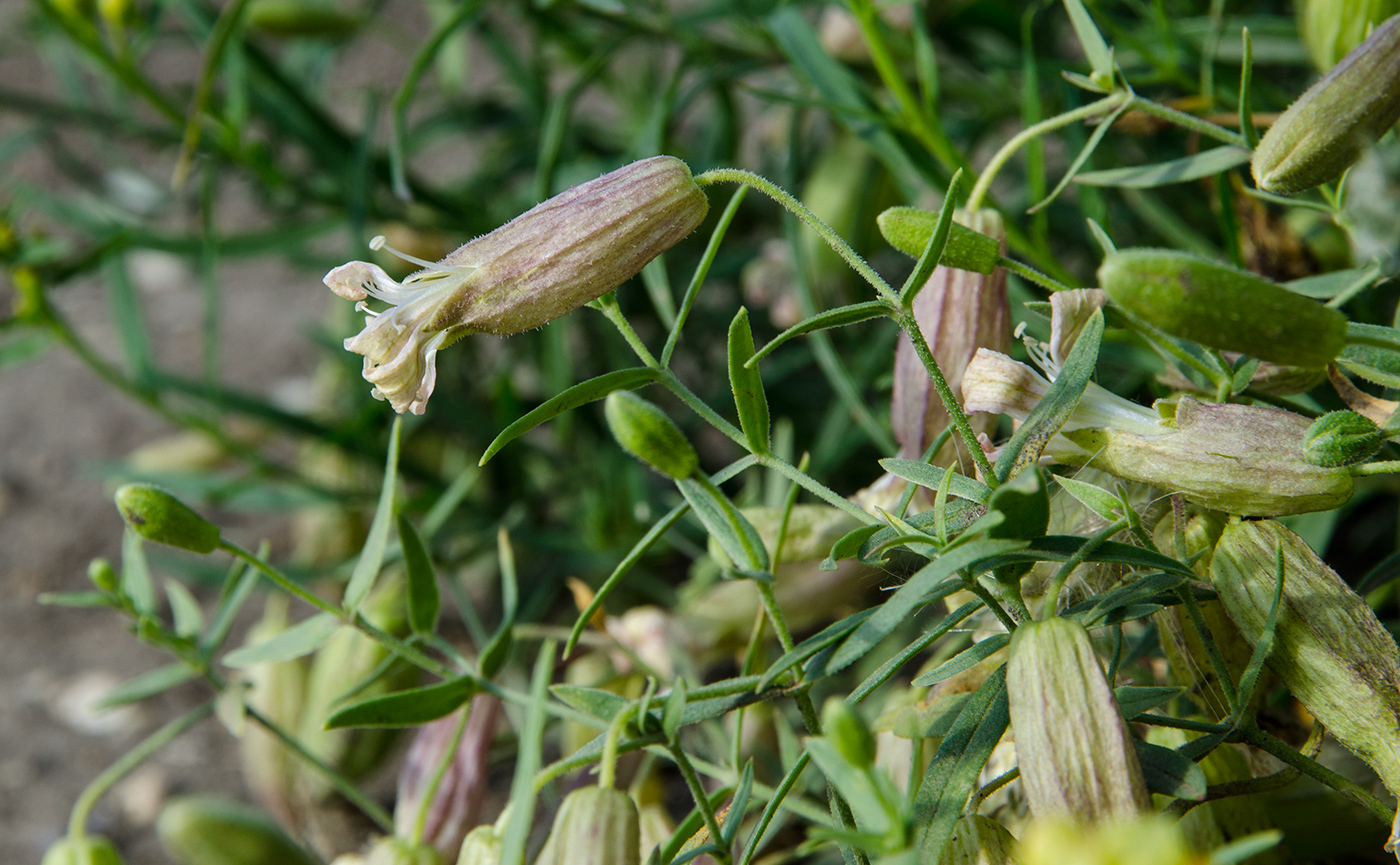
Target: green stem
(607, 768)
(1057, 583)
(1181, 724)
(802, 212)
(951, 404)
(1025, 271)
(814, 487)
(1217, 661)
(82, 809)
(1384, 467)
(702, 800)
(607, 304)
(444, 764)
(701, 271)
(1030, 133)
(1188, 121)
(342, 785)
(1313, 769)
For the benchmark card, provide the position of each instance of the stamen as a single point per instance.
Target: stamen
(379, 242)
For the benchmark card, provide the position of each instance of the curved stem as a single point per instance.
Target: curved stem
(607, 767)
(1059, 121)
(1188, 121)
(1026, 272)
(1313, 769)
(430, 793)
(82, 809)
(702, 800)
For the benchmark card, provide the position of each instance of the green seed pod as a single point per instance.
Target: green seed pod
(594, 826)
(550, 260)
(1329, 647)
(1331, 28)
(1222, 307)
(158, 516)
(1077, 760)
(102, 576)
(1323, 133)
(82, 851)
(1245, 460)
(399, 851)
(1341, 438)
(204, 830)
(978, 840)
(647, 433)
(908, 230)
(300, 18)
(848, 732)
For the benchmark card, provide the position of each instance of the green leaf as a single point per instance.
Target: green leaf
(853, 782)
(675, 710)
(810, 646)
(23, 345)
(1372, 362)
(1025, 504)
(580, 394)
(951, 776)
(912, 594)
(600, 704)
(1099, 55)
(1246, 111)
(136, 582)
(966, 659)
(907, 654)
(932, 252)
(528, 759)
(1096, 499)
(1106, 246)
(372, 556)
(1079, 161)
(423, 598)
(738, 806)
(1057, 405)
(1187, 168)
(929, 476)
(731, 529)
(407, 708)
(1264, 646)
(1170, 773)
(911, 229)
(300, 639)
(1246, 848)
(848, 545)
(157, 681)
(1326, 286)
(75, 599)
(498, 648)
(189, 618)
(747, 385)
(839, 317)
(1133, 700)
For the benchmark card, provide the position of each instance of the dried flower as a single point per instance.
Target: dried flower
(550, 260)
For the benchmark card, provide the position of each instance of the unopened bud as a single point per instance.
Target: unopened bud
(1077, 760)
(82, 851)
(848, 732)
(158, 516)
(102, 576)
(1330, 649)
(1222, 307)
(594, 826)
(550, 260)
(1323, 133)
(203, 830)
(1341, 438)
(908, 229)
(647, 433)
(301, 18)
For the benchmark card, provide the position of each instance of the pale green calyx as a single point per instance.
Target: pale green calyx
(550, 260)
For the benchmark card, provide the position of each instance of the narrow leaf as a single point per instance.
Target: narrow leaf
(527, 762)
(1246, 848)
(407, 708)
(1170, 773)
(1079, 161)
(839, 317)
(905, 655)
(372, 556)
(932, 252)
(1133, 700)
(1099, 55)
(300, 639)
(189, 618)
(157, 681)
(1264, 646)
(498, 649)
(136, 582)
(75, 599)
(580, 394)
(929, 476)
(735, 534)
(1193, 167)
(1096, 499)
(747, 384)
(423, 598)
(964, 660)
(810, 646)
(848, 545)
(600, 704)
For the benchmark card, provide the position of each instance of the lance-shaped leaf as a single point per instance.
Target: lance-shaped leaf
(747, 384)
(407, 708)
(580, 394)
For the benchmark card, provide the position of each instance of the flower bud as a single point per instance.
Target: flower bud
(978, 840)
(647, 433)
(158, 516)
(303, 18)
(958, 311)
(1329, 647)
(1324, 132)
(1331, 28)
(82, 851)
(399, 851)
(847, 731)
(1222, 307)
(1077, 760)
(203, 830)
(594, 826)
(550, 260)
(1341, 438)
(102, 576)
(457, 801)
(908, 229)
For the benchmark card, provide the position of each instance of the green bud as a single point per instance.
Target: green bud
(1323, 133)
(398, 851)
(908, 230)
(1077, 760)
(1222, 307)
(204, 830)
(847, 731)
(594, 826)
(82, 851)
(102, 576)
(647, 433)
(1331, 28)
(300, 18)
(1341, 438)
(550, 260)
(158, 516)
